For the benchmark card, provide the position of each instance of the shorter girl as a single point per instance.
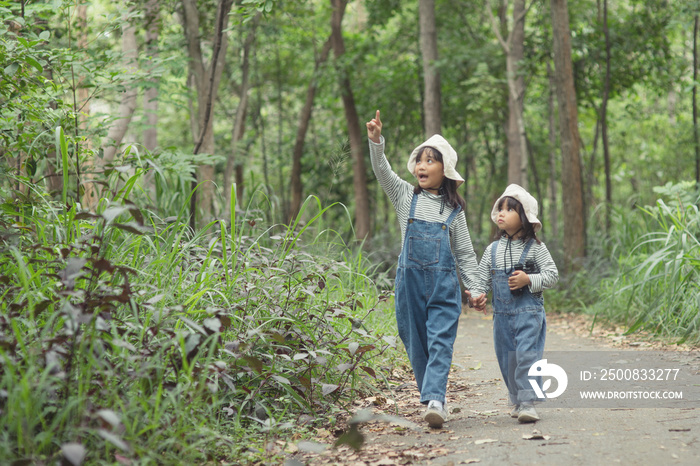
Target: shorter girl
(517, 267)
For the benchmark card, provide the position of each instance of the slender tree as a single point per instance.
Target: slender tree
(604, 119)
(572, 194)
(206, 78)
(552, 134)
(431, 75)
(302, 128)
(232, 162)
(81, 107)
(150, 96)
(514, 47)
(127, 98)
(696, 132)
(357, 140)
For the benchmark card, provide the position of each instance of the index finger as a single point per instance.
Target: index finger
(377, 117)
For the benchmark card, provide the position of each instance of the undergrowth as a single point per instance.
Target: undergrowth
(645, 274)
(128, 338)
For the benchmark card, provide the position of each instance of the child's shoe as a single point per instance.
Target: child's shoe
(435, 415)
(515, 411)
(527, 413)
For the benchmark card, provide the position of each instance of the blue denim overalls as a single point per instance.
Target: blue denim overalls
(428, 302)
(519, 327)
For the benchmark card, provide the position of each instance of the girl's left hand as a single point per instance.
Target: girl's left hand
(518, 279)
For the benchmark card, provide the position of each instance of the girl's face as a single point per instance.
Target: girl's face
(508, 218)
(429, 170)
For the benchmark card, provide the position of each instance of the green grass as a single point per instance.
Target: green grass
(654, 284)
(125, 335)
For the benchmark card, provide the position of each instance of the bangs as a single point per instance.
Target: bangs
(435, 153)
(510, 203)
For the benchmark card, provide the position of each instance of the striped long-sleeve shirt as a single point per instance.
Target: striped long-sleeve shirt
(507, 256)
(400, 193)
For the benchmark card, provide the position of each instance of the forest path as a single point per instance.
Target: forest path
(480, 429)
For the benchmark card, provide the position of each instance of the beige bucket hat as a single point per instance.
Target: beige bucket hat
(529, 205)
(449, 157)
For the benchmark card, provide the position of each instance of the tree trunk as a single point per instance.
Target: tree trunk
(696, 132)
(206, 81)
(572, 196)
(239, 120)
(431, 75)
(604, 121)
(304, 119)
(127, 99)
(281, 122)
(357, 142)
(82, 110)
(553, 214)
(150, 97)
(514, 48)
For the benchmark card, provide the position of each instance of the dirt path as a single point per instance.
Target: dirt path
(480, 429)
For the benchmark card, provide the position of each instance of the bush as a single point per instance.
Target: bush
(123, 336)
(656, 282)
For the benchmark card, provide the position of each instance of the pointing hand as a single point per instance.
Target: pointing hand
(374, 128)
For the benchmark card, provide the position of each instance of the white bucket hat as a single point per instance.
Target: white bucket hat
(449, 157)
(525, 198)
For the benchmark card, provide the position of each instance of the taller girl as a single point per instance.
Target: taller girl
(435, 242)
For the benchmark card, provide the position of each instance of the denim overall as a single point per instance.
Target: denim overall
(428, 302)
(519, 327)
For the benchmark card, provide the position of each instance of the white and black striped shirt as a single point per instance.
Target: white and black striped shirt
(505, 259)
(400, 193)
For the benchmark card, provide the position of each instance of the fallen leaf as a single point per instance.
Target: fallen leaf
(383, 462)
(536, 435)
(73, 453)
(486, 440)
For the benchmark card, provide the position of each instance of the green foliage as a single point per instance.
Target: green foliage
(656, 282)
(30, 102)
(125, 337)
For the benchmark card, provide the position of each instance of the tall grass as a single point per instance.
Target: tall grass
(127, 337)
(656, 282)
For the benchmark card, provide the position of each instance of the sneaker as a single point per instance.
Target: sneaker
(515, 411)
(527, 413)
(435, 417)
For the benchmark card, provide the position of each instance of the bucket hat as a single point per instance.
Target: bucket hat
(525, 198)
(449, 157)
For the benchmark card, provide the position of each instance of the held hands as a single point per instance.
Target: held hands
(518, 279)
(478, 303)
(374, 129)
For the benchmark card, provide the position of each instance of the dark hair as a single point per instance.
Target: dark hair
(528, 228)
(448, 187)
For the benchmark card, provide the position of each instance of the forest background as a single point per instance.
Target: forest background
(194, 250)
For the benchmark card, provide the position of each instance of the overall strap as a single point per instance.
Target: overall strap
(526, 250)
(453, 215)
(414, 201)
(494, 248)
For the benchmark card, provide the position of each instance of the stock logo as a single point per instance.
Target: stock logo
(542, 368)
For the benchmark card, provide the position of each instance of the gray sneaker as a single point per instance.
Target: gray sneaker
(527, 413)
(435, 417)
(515, 411)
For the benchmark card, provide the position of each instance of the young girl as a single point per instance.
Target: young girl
(435, 240)
(517, 267)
